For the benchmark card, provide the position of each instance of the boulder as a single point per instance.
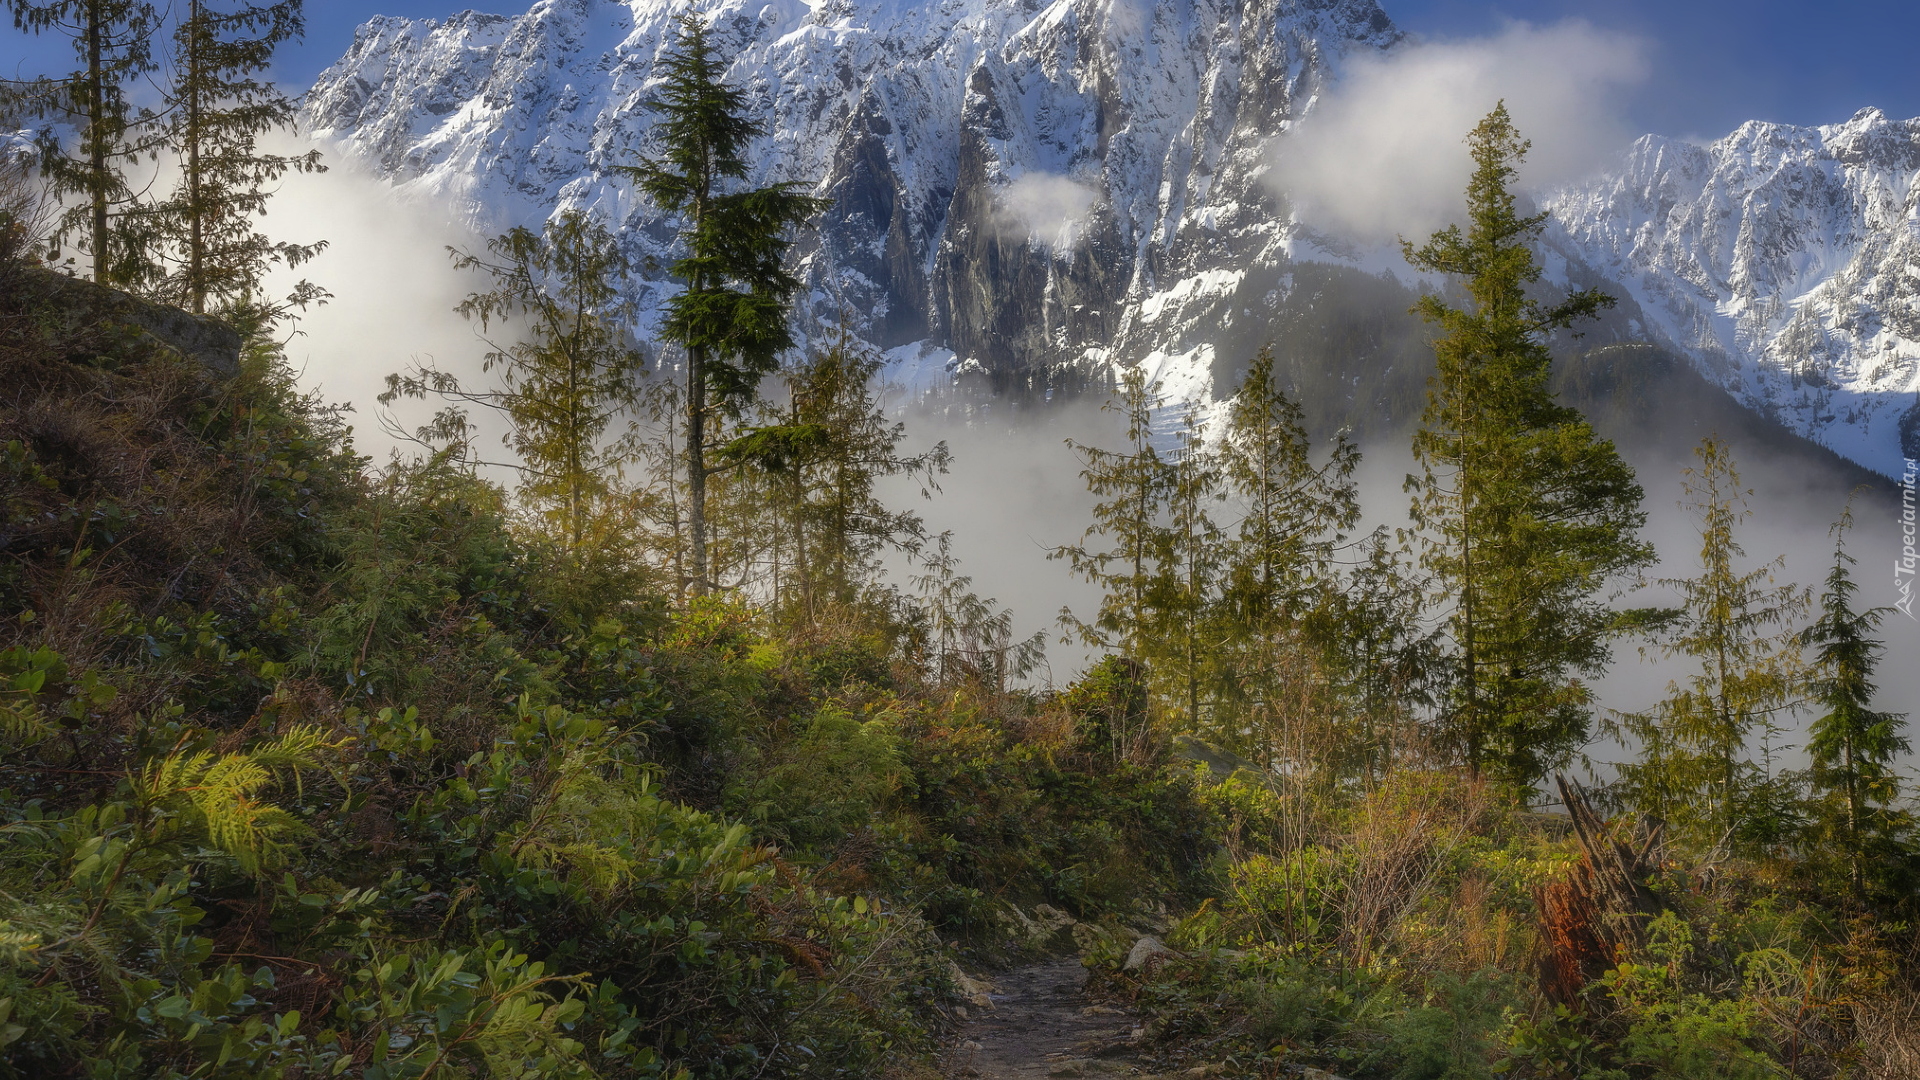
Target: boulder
(81, 306)
(1147, 951)
(1051, 917)
(975, 992)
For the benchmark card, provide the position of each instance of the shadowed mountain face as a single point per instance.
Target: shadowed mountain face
(1784, 260)
(1025, 184)
(1030, 191)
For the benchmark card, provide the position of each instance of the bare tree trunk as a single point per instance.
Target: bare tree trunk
(700, 581)
(96, 142)
(196, 208)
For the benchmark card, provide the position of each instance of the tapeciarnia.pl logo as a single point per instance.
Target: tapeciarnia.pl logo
(1909, 560)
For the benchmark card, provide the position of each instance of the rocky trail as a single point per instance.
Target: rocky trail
(1041, 1024)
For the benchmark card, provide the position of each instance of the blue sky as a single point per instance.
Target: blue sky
(1715, 62)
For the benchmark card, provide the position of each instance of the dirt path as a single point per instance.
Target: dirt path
(1043, 1026)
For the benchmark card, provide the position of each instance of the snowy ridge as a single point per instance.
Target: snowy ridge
(1016, 180)
(1021, 184)
(1785, 260)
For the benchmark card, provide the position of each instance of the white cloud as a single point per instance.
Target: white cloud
(1045, 207)
(394, 290)
(1383, 155)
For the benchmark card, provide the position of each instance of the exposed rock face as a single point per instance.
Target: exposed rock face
(82, 305)
(1020, 186)
(1785, 260)
(1020, 181)
(1146, 952)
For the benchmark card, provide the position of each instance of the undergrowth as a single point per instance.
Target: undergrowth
(1419, 931)
(314, 769)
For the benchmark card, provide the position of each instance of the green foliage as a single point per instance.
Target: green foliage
(1453, 1034)
(310, 770)
(1694, 769)
(1269, 651)
(966, 637)
(112, 41)
(1852, 746)
(731, 319)
(1528, 514)
(1673, 1031)
(822, 458)
(1132, 490)
(823, 783)
(1296, 510)
(561, 382)
(202, 245)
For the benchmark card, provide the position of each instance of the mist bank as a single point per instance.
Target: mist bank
(1014, 494)
(1346, 346)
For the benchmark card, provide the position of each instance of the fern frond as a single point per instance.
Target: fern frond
(16, 943)
(300, 749)
(23, 726)
(171, 776)
(223, 795)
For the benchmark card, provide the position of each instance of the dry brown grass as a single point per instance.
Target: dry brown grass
(1402, 840)
(1888, 1029)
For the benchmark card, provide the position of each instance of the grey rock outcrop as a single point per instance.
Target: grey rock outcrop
(79, 307)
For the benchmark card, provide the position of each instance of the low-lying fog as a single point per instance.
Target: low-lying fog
(1014, 491)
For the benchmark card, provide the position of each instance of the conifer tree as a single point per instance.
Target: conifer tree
(970, 638)
(221, 104)
(1527, 513)
(566, 366)
(1294, 512)
(113, 40)
(1132, 487)
(1279, 564)
(1381, 652)
(1853, 745)
(832, 446)
(1694, 772)
(732, 317)
(1185, 652)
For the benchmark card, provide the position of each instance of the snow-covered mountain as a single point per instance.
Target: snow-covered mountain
(1022, 185)
(1785, 260)
(1017, 181)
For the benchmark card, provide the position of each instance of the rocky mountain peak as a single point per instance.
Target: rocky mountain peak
(1021, 186)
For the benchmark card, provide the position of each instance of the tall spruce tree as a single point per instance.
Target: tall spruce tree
(113, 41)
(732, 317)
(1278, 564)
(1294, 512)
(1132, 487)
(1184, 659)
(220, 104)
(1694, 771)
(1528, 514)
(1852, 746)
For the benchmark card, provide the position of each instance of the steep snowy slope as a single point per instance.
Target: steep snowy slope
(1785, 260)
(1018, 181)
(1022, 185)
